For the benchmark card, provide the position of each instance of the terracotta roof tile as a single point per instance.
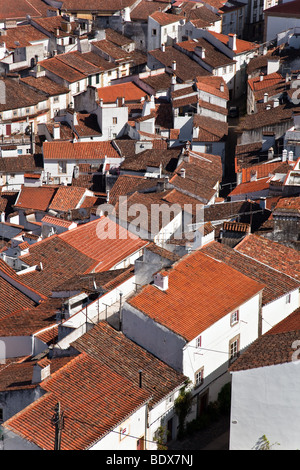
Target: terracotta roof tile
(66, 198)
(79, 150)
(251, 187)
(129, 91)
(35, 198)
(215, 290)
(186, 68)
(273, 254)
(116, 245)
(276, 284)
(92, 399)
(122, 355)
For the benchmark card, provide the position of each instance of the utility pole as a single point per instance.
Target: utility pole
(58, 421)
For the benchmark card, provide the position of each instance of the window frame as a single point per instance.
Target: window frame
(234, 317)
(199, 373)
(233, 355)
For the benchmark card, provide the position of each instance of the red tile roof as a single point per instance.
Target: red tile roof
(19, 9)
(214, 290)
(35, 198)
(22, 36)
(241, 44)
(94, 399)
(251, 187)
(129, 91)
(79, 150)
(268, 81)
(276, 284)
(104, 241)
(122, 355)
(166, 18)
(67, 198)
(276, 255)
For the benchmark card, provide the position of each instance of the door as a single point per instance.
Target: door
(202, 403)
(170, 430)
(8, 129)
(140, 445)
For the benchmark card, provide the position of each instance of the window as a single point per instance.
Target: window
(62, 166)
(230, 68)
(198, 342)
(288, 299)
(56, 99)
(1, 415)
(208, 148)
(90, 80)
(234, 318)
(224, 70)
(27, 110)
(154, 32)
(234, 348)
(199, 377)
(97, 78)
(115, 120)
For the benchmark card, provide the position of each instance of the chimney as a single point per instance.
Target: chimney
(174, 65)
(232, 41)
(276, 103)
(222, 87)
(270, 153)
(41, 370)
(291, 156)
(261, 77)
(107, 195)
(202, 52)
(56, 131)
(161, 280)
(266, 96)
(268, 107)
(173, 80)
(182, 172)
(163, 48)
(284, 155)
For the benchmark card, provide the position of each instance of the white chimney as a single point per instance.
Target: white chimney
(276, 103)
(222, 87)
(291, 156)
(41, 370)
(126, 14)
(284, 155)
(161, 280)
(268, 106)
(261, 77)
(174, 65)
(202, 52)
(266, 96)
(232, 41)
(163, 48)
(182, 172)
(56, 131)
(270, 153)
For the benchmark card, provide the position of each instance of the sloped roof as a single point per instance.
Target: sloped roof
(104, 241)
(276, 284)
(78, 150)
(125, 357)
(93, 397)
(214, 290)
(129, 91)
(273, 254)
(35, 198)
(66, 198)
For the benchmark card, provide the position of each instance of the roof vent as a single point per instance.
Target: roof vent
(161, 280)
(41, 370)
